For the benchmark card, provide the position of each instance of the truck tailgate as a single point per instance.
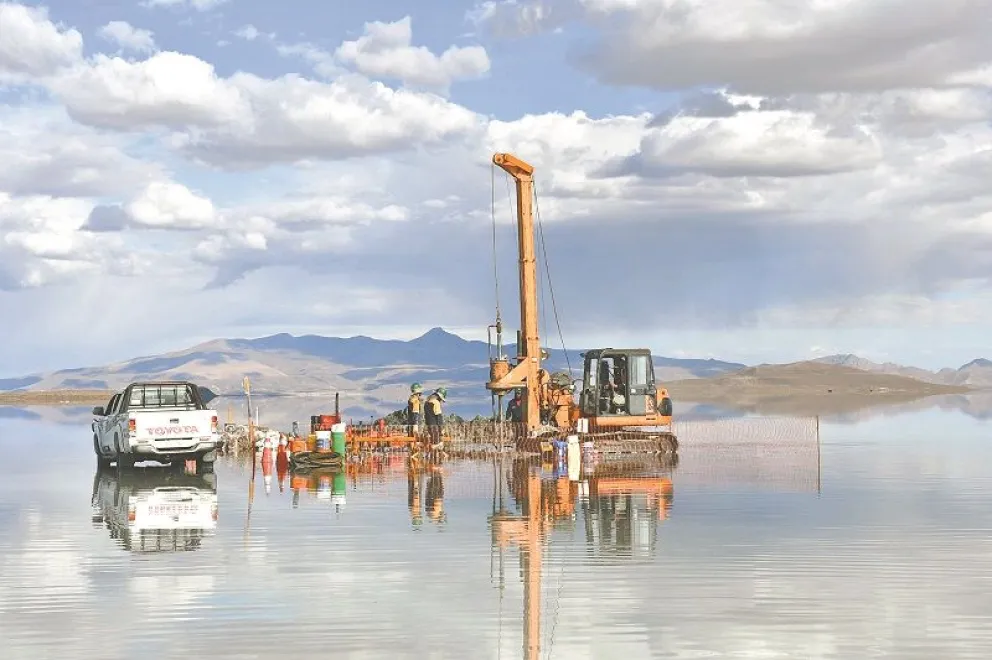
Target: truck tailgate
(174, 424)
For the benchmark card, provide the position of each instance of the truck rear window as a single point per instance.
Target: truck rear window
(161, 396)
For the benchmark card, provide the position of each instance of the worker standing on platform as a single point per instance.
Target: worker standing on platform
(435, 416)
(415, 408)
(514, 409)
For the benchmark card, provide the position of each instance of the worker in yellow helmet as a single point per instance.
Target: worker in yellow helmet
(435, 415)
(415, 408)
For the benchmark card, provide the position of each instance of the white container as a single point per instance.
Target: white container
(574, 458)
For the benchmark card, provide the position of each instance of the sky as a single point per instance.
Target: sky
(751, 180)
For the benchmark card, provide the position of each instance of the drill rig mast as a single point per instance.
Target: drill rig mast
(526, 374)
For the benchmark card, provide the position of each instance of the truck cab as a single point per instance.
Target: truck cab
(164, 421)
(618, 387)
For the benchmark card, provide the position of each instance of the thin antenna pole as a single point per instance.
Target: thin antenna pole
(818, 455)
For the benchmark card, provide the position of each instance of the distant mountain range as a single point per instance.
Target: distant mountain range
(977, 373)
(375, 374)
(370, 373)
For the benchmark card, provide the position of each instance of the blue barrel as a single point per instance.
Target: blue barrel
(323, 440)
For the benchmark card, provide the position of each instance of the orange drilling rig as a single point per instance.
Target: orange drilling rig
(619, 399)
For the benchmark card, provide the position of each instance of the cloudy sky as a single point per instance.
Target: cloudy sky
(752, 180)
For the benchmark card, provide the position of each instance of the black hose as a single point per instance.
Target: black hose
(309, 460)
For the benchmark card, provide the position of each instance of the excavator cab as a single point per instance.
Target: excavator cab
(618, 383)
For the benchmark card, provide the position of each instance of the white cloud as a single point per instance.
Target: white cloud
(322, 62)
(126, 35)
(308, 228)
(168, 89)
(732, 209)
(293, 118)
(248, 32)
(45, 153)
(32, 45)
(386, 51)
(884, 310)
(781, 143)
(42, 243)
(519, 18)
(165, 204)
(198, 5)
(246, 120)
(769, 47)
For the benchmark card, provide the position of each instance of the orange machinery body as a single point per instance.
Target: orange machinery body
(567, 413)
(382, 435)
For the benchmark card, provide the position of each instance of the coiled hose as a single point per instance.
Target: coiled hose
(314, 460)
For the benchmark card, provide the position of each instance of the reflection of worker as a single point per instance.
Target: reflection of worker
(434, 415)
(515, 409)
(415, 408)
(434, 502)
(414, 485)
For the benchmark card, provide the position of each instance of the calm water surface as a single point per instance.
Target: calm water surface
(876, 543)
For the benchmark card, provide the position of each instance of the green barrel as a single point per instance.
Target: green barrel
(340, 483)
(337, 438)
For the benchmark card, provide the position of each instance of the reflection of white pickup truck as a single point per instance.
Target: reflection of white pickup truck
(160, 421)
(155, 510)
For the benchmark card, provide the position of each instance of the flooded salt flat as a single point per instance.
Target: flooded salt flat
(875, 541)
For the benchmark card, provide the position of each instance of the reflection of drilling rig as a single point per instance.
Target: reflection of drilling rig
(612, 506)
(619, 398)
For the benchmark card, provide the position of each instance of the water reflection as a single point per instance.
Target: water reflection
(425, 483)
(621, 503)
(599, 562)
(156, 509)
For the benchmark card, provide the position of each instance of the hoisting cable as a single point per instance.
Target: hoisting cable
(554, 622)
(499, 322)
(551, 288)
(541, 306)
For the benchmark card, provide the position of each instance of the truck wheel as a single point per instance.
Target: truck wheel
(101, 460)
(205, 462)
(124, 461)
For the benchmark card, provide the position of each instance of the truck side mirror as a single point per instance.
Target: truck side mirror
(98, 411)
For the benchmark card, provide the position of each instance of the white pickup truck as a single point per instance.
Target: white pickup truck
(161, 421)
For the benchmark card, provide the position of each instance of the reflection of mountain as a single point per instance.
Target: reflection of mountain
(155, 509)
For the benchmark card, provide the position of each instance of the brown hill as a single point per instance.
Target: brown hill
(977, 373)
(807, 388)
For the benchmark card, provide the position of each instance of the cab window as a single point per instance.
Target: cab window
(640, 376)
